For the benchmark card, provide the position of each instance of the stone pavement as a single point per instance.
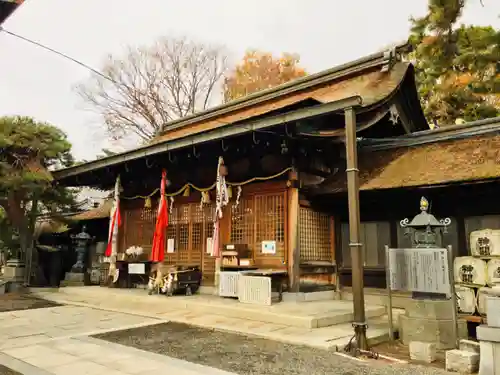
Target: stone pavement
(55, 341)
(89, 356)
(283, 322)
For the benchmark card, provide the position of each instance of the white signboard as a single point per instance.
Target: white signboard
(268, 247)
(419, 270)
(136, 268)
(170, 245)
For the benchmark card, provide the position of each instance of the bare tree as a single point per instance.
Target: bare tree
(151, 86)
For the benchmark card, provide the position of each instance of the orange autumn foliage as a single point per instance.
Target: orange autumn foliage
(259, 71)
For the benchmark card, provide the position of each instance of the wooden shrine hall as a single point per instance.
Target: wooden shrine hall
(279, 146)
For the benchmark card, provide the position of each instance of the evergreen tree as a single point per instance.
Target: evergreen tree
(28, 151)
(458, 67)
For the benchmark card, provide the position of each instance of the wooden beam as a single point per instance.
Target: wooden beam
(210, 135)
(293, 238)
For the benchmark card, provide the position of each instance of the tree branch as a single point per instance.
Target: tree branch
(153, 85)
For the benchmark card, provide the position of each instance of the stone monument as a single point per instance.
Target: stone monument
(428, 317)
(76, 277)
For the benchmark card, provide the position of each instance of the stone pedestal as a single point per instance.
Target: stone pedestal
(489, 338)
(14, 271)
(430, 321)
(74, 279)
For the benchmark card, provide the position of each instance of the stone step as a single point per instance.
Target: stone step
(314, 314)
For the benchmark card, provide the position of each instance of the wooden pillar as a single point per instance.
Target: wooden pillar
(293, 237)
(355, 244)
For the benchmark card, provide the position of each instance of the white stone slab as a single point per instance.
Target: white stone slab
(486, 333)
(493, 311)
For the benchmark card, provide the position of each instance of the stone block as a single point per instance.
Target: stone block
(423, 351)
(430, 330)
(493, 311)
(462, 361)
(469, 346)
(428, 309)
(486, 333)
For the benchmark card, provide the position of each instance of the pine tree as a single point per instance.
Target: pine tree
(28, 151)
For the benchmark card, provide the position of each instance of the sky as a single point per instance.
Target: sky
(325, 33)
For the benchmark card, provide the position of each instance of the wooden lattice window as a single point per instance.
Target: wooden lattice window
(183, 227)
(242, 222)
(259, 218)
(188, 228)
(315, 236)
(139, 228)
(270, 222)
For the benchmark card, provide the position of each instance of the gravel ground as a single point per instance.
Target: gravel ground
(15, 302)
(7, 371)
(249, 355)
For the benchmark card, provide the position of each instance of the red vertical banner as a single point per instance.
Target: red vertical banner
(158, 248)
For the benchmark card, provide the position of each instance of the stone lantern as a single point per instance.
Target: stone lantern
(425, 230)
(428, 317)
(82, 243)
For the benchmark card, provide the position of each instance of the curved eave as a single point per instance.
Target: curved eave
(379, 92)
(7, 8)
(289, 88)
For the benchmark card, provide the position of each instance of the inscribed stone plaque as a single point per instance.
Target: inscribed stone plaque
(419, 270)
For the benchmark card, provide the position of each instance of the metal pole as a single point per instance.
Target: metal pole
(389, 292)
(453, 296)
(355, 244)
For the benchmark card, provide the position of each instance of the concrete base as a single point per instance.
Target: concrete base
(430, 330)
(489, 338)
(73, 279)
(429, 321)
(327, 295)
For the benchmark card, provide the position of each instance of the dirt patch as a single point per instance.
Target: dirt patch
(402, 352)
(7, 371)
(16, 302)
(249, 355)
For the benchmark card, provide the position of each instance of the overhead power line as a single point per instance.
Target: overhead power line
(95, 71)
